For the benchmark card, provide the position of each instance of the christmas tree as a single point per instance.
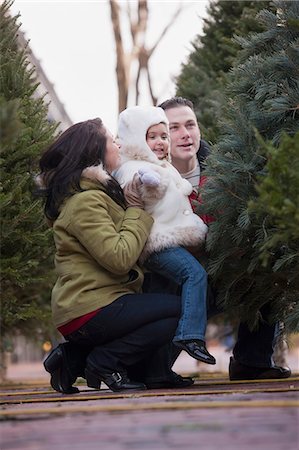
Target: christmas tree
(26, 244)
(203, 77)
(278, 205)
(261, 106)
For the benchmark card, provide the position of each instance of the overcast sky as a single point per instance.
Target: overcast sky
(74, 42)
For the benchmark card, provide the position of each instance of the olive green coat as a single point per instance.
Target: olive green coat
(98, 244)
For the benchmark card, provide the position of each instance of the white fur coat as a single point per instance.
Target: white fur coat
(175, 224)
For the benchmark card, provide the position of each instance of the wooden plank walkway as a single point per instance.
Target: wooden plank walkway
(212, 413)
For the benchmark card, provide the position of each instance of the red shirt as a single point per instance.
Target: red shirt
(195, 196)
(77, 323)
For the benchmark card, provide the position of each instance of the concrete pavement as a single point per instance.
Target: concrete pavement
(213, 414)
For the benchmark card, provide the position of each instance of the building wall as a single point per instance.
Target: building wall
(56, 109)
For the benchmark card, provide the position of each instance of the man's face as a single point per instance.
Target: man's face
(184, 133)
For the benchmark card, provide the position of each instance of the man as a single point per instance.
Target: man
(252, 354)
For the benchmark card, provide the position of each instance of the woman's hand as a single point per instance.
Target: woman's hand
(132, 193)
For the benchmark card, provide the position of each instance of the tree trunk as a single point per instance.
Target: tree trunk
(138, 52)
(121, 69)
(3, 362)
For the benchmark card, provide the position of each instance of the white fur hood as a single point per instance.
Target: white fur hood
(175, 224)
(132, 128)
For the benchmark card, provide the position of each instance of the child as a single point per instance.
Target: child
(144, 140)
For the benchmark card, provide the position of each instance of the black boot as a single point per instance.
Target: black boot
(115, 381)
(61, 378)
(175, 381)
(238, 371)
(197, 349)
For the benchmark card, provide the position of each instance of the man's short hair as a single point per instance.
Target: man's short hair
(175, 102)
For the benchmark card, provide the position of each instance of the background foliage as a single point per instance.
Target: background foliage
(204, 76)
(26, 242)
(253, 249)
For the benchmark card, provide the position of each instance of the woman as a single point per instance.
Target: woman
(99, 234)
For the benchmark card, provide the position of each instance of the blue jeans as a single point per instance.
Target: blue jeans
(179, 266)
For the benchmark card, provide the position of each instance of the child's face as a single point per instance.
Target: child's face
(158, 140)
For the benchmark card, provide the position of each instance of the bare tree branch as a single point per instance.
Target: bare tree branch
(170, 24)
(137, 92)
(139, 52)
(149, 81)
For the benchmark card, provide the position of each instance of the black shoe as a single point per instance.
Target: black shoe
(56, 365)
(174, 382)
(197, 349)
(115, 381)
(238, 371)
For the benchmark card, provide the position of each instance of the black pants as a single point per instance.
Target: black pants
(255, 348)
(132, 334)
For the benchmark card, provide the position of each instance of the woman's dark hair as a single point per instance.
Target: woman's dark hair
(80, 146)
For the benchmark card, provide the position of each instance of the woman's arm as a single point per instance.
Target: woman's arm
(114, 237)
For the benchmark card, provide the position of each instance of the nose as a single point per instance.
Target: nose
(159, 141)
(184, 132)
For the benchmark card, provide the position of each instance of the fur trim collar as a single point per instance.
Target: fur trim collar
(96, 173)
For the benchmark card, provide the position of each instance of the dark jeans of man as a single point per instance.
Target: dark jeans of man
(253, 348)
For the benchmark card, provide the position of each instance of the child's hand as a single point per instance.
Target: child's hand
(149, 177)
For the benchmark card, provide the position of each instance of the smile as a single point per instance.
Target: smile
(186, 145)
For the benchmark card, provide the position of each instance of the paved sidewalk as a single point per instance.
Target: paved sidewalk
(213, 414)
(225, 429)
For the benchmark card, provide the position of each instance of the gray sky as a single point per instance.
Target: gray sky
(74, 42)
